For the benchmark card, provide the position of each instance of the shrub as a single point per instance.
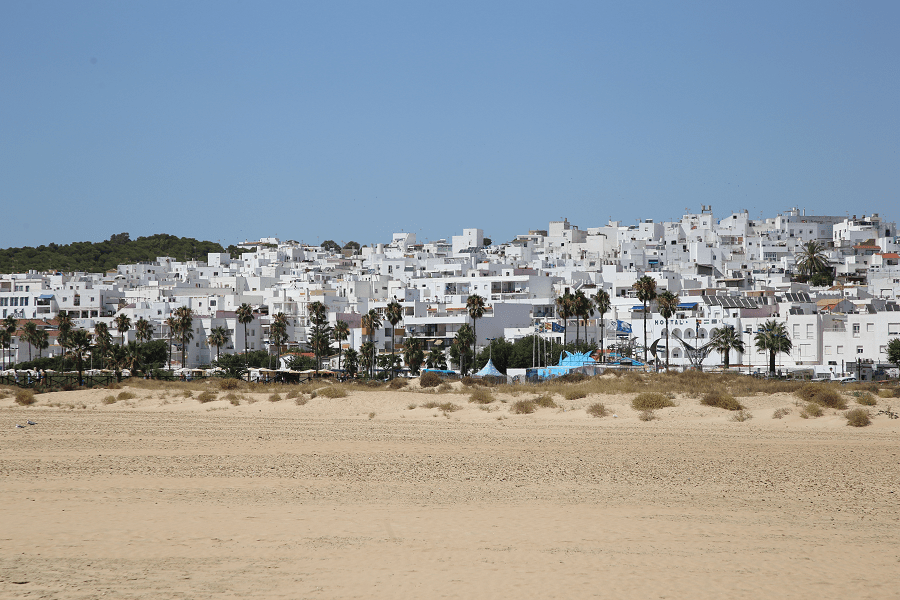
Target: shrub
(858, 417)
(332, 391)
(398, 383)
(575, 394)
(429, 380)
(292, 394)
(780, 413)
(545, 401)
(742, 415)
(231, 397)
(276, 397)
(721, 400)
(187, 393)
(411, 406)
(25, 397)
(597, 410)
(447, 407)
(651, 401)
(866, 399)
(811, 410)
(109, 400)
(126, 395)
(647, 415)
(821, 394)
(444, 388)
(572, 378)
(229, 383)
(300, 401)
(522, 407)
(469, 381)
(371, 415)
(481, 396)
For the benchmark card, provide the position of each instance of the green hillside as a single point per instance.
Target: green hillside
(103, 256)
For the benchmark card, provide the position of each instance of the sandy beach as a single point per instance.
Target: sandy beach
(373, 495)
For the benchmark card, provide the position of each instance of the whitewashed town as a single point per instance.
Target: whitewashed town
(793, 293)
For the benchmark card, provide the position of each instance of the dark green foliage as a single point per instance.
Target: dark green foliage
(520, 354)
(893, 351)
(429, 379)
(103, 256)
(651, 401)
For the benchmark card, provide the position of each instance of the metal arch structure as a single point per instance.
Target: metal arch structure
(696, 355)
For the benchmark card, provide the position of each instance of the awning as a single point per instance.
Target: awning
(46, 297)
(687, 305)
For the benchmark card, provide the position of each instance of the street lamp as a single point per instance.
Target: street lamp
(749, 331)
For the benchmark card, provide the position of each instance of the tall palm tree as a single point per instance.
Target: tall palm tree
(5, 342)
(646, 293)
(340, 333)
(394, 314)
(811, 259)
(123, 324)
(773, 337)
(185, 318)
(724, 339)
(603, 304)
(79, 348)
(667, 303)
(460, 346)
(218, 337)
(29, 335)
(42, 341)
(367, 357)
(372, 322)
(584, 308)
(413, 354)
(172, 325)
(244, 317)
(143, 329)
(320, 335)
(436, 359)
(475, 306)
(102, 339)
(64, 328)
(564, 306)
(278, 333)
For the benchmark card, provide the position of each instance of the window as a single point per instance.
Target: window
(810, 331)
(870, 327)
(893, 328)
(856, 330)
(840, 349)
(859, 349)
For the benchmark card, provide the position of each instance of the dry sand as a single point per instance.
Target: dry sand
(362, 497)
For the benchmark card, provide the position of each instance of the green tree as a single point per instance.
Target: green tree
(667, 303)
(645, 289)
(413, 354)
(367, 358)
(499, 351)
(172, 325)
(102, 339)
(811, 259)
(244, 314)
(565, 305)
(9, 326)
(475, 306)
(331, 246)
(893, 352)
(278, 333)
(218, 337)
(340, 333)
(41, 341)
(123, 324)
(79, 348)
(725, 339)
(394, 314)
(64, 329)
(143, 330)
(772, 337)
(371, 322)
(319, 338)
(184, 317)
(583, 308)
(29, 336)
(351, 362)
(460, 348)
(436, 359)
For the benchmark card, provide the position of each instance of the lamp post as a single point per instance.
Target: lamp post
(749, 331)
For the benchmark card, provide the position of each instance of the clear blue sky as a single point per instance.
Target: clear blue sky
(350, 120)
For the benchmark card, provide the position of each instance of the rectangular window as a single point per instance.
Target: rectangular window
(806, 350)
(870, 327)
(893, 328)
(796, 331)
(810, 331)
(859, 349)
(15, 301)
(24, 301)
(840, 349)
(856, 330)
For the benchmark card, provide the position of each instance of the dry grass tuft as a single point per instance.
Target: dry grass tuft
(398, 383)
(742, 415)
(446, 407)
(481, 396)
(25, 397)
(429, 380)
(109, 400)
(371, 415)
(651, 401)
(597, 410)
(858, 417)
(229, 384)
(292, 394)
(780, 413)
(545, 401)
(276, 397)
(647, 415)
(231, 397)
(866, 399)
(811, 410)
(206, 396)
(333, 391)
(444, 388)
(721, 400)
(522, 407)
(822, 394)
(576, 393)
(126, 395)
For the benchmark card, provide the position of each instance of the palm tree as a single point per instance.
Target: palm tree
(29, 335)
(42, 341)
(366, 358)
(64, 327)
(371, 321)
(724, 340)
(413, 354)
(102, 338)
(394, 314)
(646, 293)
(218, 337)
(123, 324)
(184, 316)
(79, 347)
(351, 363)
(564, 307)
(811, 259)
(340, 332)
(475, 306)
(245, 317)
(319, 336)
(460, 346)
(172, 324)
(584, 308)
(436, 359)
(278, 333)
(603, 304)
(667, 303)
(5, 342)
(773, 337)
(143, 329)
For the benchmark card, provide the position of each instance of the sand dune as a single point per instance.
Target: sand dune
(366, 496)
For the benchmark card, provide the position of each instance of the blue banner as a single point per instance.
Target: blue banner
(623, 327)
